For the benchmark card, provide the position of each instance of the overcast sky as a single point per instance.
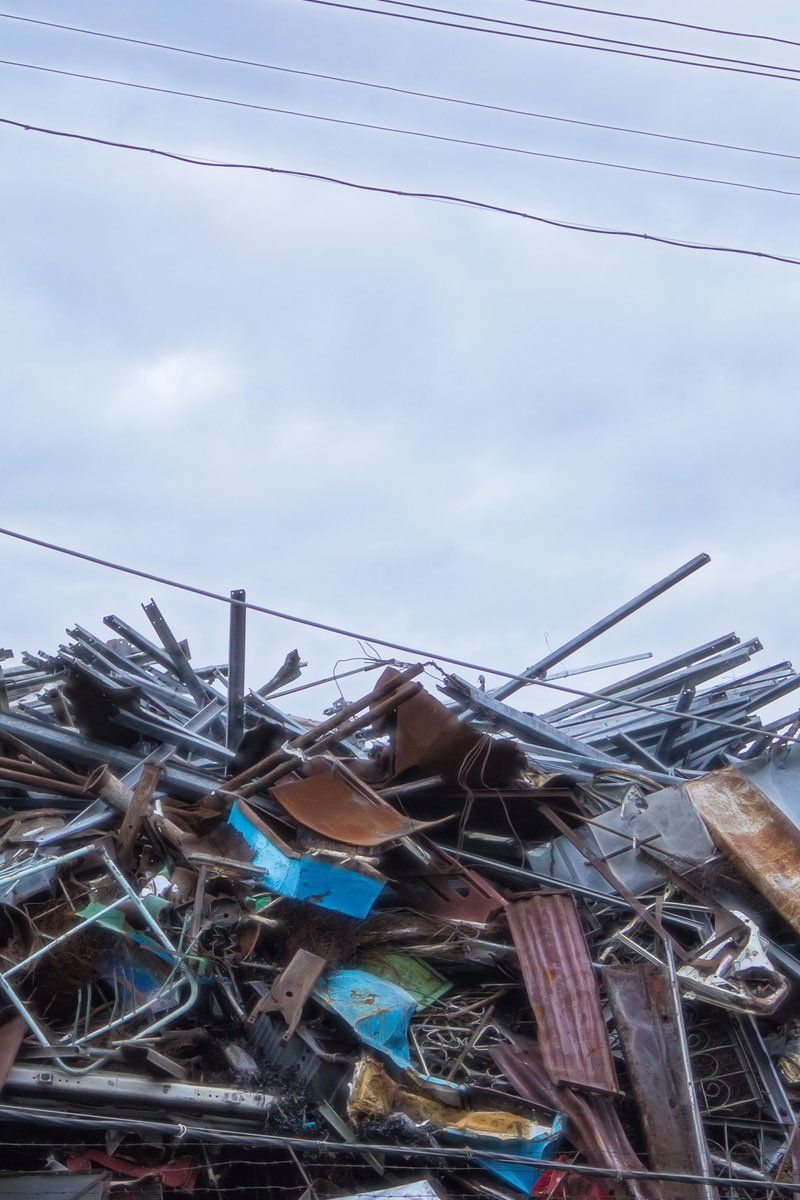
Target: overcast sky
(435, 425)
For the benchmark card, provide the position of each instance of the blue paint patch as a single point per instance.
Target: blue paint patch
(377, 1010)
(304, 878)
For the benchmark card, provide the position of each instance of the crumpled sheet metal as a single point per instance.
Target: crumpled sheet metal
(374, 1093)
(301, 876)
(593, 1126)
(377, 1010)
(327, 804)
(645, 1019)
(750, 828)
(430, 738)
(562, 988)
(665, 822)
(449, 889)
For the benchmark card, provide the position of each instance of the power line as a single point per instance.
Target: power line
(417, 651)
(589, 37)
(374, 188)
(400, 91)
(530, 37)
(415, 133)
(610, 12)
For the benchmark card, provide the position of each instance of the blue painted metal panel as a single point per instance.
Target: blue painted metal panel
(304, 878)
(377, 1010)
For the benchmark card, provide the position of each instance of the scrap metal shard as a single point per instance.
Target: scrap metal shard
(560, 981)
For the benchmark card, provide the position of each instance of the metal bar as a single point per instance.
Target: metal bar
(594, 631)
(201, 691)
(234, 727)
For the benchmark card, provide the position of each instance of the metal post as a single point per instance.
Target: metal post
(236, 648)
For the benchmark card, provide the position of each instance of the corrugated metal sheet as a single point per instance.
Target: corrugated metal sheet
(561, 985)
(645, 1018)
(752, 831)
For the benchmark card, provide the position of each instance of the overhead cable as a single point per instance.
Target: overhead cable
(394, 129)
(399, 91)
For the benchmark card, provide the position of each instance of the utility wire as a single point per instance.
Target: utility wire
(414, 133)
(399, 91)
(376, 189)
(772, 73)
(416, 651)
(588, 37)
(610, 12)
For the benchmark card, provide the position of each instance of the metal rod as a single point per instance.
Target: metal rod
(588, 635)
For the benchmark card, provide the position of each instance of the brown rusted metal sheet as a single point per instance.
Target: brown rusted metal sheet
(645, 1018)
(593, 1125)
(430, 737)
(560, 981)
(752, 831)
(344, 812)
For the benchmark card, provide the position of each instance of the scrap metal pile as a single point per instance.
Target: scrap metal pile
(432, 945)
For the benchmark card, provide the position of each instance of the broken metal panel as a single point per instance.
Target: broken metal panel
(561, 986)
(646, 1021)
(377, 1010)
(594, 1127)
(754, 833)
(664, 823)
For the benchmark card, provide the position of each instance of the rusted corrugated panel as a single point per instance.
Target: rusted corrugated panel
(331, 807)
(594, 1127)
(560, 981)
(760, 839)
(644, 1015)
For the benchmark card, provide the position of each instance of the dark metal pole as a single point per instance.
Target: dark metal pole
(236, 645)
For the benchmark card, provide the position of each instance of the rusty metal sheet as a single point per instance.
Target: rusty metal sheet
(644, 1014)
(343, 812)
(430, 737)
(593, 1125)
(561, 985)
(750, 829)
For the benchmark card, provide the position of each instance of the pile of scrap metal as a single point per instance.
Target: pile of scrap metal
(431, 946)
